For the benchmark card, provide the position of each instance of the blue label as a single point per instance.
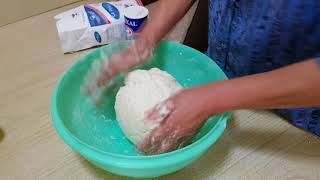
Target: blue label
(97, 37)
(112, 10)
(94, 18)
(135, 25)
(131, 23)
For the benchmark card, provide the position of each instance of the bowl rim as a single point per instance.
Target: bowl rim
(97, 155)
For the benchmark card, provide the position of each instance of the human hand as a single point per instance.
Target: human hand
(180, 118)
(102, 72)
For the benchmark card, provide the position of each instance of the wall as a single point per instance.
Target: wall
(197, 36)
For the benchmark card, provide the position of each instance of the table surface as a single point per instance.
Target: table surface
(256, 144)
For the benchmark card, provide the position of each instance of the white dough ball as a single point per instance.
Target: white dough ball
(143, 90)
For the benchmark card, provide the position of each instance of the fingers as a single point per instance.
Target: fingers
(160, 112)
(149, 144)
(167, 137)
(142, 50)
(102, 72)
(109, 69)
(153, 143)
(163, 139)
(89, 87)
(160, 139)
(118, 63)
(104, 77)
(161, 143)
(127, 59)
(184, 141)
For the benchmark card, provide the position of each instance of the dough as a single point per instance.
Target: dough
(142, 91)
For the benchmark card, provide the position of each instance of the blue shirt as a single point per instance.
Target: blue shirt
(254, 36)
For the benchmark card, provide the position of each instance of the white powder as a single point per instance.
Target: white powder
(142, 91)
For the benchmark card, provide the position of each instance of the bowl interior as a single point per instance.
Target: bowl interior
(97, 127)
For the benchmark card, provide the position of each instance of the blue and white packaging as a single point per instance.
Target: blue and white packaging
(135, 18)
(93, 25)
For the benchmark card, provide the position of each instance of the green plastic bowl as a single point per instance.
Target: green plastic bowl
(94, 133)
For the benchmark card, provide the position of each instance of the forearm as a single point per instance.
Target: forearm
(297, 85)
(165, 16)
(163, 19)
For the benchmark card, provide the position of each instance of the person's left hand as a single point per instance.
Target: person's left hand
(100, 77)
(180, 118)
